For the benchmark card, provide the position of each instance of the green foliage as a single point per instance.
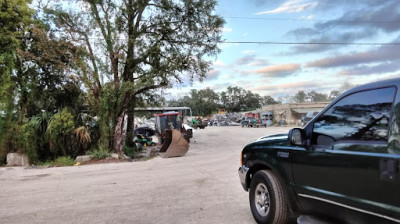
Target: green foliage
(60, 134)
(109, 103)
(300, 97)
(27, 140)
(130, 151)
(9, 137)
(82, 135)
(64, 161)
(205, 102)
(100, 153)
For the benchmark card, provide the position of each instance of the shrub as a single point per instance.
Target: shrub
(60, 133)
(130, 151)
(100, 153)
(64, 161)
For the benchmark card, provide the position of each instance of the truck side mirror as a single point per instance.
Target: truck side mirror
(296, 136)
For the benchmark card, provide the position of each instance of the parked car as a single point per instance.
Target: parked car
(310, 115)
(342, 166)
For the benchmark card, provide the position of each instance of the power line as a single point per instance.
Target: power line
(310, 20)
(258, 42)
(308, 43)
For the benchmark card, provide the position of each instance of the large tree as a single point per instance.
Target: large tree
(237, 99)
(143, 44)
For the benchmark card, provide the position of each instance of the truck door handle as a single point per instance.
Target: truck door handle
(388, 168)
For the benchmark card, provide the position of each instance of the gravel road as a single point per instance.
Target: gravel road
(201, 187)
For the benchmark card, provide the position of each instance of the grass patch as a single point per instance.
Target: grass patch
(64, 161)
(100, 153)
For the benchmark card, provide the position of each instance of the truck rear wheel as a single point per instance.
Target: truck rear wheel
(267, 199)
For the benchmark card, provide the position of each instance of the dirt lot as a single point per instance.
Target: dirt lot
(201, 187)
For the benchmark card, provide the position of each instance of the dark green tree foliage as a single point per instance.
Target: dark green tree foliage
(202, 102)
(236, 99)
(317, 97)
(300, 97)
(268, 100)
(46, 77)
(205, 102)
(37, 79)
(14, 20)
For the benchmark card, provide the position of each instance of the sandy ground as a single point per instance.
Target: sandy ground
(201, 187)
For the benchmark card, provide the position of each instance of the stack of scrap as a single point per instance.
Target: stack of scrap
(228, 119)
(144, 122)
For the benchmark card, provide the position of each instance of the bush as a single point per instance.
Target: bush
(130, 151)
(100, 153)
(64, 161)
(60, 133)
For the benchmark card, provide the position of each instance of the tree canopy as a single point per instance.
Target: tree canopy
(139, 46)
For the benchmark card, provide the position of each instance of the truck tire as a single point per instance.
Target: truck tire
(267, 199)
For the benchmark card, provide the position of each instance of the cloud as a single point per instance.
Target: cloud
(248, 52)
(291, 88)
(309, 17)
(362, 21)
(385, 17)
(293, 6)
(259, 3)
(295, 85)
(259, 62)
(218, 63)
(250, 60)
(245, 60)
(324, 5)
(372, 69)
(213, 74)
(382, 54)
(276, 70)
(226, 30)
(345, 37)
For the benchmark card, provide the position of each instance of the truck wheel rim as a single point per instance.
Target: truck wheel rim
(262, 200)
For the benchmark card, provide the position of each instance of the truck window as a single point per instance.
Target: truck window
(362, 116)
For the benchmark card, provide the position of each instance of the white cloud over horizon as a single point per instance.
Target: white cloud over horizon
(293, 6)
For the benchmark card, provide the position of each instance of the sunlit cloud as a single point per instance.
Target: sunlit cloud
(276, 70)
(291, 7)
(291, 85)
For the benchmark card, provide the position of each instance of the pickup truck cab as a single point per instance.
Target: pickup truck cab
(342, 166)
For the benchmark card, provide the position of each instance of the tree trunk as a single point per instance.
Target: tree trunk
(119, 134)
(130, 128)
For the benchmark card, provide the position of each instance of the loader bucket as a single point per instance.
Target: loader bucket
(175, 144)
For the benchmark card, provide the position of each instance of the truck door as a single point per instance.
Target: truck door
(351, 163)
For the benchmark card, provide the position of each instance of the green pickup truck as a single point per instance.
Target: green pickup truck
(343, 166)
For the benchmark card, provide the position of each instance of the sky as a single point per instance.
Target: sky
(277, 48)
